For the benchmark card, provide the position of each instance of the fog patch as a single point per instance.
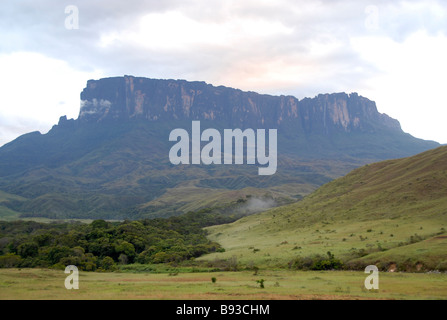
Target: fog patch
(252, 205)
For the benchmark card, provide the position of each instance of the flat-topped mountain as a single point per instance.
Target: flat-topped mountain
(112, 161)
(127, 98)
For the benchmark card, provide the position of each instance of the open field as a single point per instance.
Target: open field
(284, 285)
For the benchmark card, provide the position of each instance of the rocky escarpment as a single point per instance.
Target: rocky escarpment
(126, 98)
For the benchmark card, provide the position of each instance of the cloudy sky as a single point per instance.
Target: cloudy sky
(392, 52)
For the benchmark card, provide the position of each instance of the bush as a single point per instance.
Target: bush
(10, 260)
(442, 266)
(317, 262)
(327, 264)
(261, 283)
(300, 263)
(224, 265)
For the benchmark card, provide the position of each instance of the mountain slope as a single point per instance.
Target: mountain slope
(112, 161)
(391, 213)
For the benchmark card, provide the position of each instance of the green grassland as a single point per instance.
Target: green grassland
(391, 213)
(48, 284)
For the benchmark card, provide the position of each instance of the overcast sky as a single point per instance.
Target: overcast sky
(392, 52)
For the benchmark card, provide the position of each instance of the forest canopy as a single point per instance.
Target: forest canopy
(101, 245)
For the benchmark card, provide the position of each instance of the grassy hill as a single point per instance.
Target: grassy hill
(392, 214)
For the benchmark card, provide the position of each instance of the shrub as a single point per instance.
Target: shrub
(10, 260)
(317, 262)
(442, 266)
(224, 265)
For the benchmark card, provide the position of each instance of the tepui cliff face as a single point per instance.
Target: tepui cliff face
(126, 98)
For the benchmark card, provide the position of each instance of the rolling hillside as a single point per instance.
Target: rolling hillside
(391, 213)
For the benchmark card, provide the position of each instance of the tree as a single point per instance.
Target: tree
(56, 253)
(126, 248)
(43, 239)
(99, 224)
(28, 249)
(123, 259)
(101, 247)
(107, 263)
(160, 257)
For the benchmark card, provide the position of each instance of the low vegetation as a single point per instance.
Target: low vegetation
(317, 262)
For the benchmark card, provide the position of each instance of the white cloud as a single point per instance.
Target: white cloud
(174, 30)
(411, 82)
(36, 91)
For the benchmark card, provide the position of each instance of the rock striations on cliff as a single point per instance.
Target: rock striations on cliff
(131, 98)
